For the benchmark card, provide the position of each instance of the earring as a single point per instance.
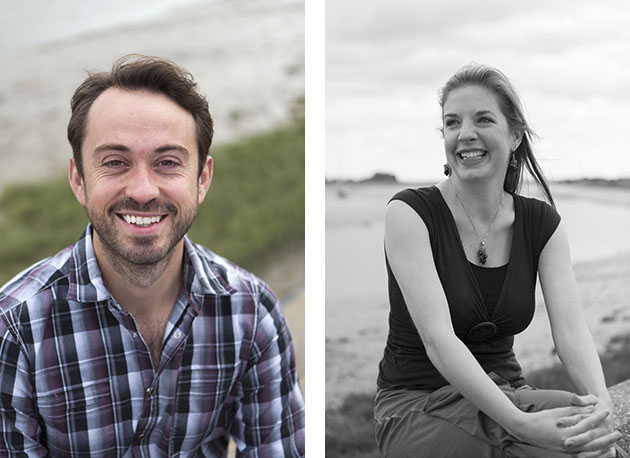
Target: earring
(447, 170)
(513, 161)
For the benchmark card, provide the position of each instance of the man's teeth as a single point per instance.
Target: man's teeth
(472, 154)
(141, 220)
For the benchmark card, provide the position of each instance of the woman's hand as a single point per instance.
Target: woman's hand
(592, 435)
(585, 428)
(542, 428)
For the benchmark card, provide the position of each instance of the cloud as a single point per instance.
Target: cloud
(563, 55)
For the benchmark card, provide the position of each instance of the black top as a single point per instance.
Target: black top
(490, 281)
(488, 334)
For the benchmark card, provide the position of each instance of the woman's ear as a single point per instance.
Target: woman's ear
(517, 138)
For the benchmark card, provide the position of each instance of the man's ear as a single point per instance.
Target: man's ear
(77, 183)
(204, 180)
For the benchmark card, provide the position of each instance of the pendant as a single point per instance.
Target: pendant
(483, 256)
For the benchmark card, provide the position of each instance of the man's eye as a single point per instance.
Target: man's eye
(168, 163)
(115, 163)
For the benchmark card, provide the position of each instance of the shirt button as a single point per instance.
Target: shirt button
(178, 334)
(149, 391)
(141, 436)
(134, 335)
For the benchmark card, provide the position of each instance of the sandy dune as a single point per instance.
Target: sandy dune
(248, 58)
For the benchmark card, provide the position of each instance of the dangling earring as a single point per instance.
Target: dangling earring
(513, 162)
(447, 170)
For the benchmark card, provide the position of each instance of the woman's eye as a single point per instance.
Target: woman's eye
(450, 123)
(485, 120)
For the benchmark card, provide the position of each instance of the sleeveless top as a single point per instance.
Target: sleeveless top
(489, 336)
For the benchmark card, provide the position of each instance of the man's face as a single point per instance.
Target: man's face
(140, 186)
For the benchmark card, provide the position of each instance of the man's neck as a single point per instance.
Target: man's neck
(142, 289)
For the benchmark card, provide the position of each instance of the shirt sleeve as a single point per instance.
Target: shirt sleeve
(546, 222)
(19, 430)
(269, 420)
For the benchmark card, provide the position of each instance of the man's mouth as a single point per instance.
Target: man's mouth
(141, 221)
(471, 155)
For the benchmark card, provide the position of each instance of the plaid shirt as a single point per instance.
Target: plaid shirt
(77, 379)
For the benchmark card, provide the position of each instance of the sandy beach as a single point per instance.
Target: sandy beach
(356, 290)
(247, 57)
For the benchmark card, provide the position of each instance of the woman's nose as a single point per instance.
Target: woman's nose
(467, 132)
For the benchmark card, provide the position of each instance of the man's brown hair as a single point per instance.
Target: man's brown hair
(141, 73)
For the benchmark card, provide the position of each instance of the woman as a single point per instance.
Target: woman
(462, 260)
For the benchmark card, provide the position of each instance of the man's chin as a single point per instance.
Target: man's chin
(143, 258)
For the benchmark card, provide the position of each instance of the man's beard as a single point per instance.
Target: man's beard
(140, 251)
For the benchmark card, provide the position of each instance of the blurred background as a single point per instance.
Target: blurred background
(248, 59)
(385, 62)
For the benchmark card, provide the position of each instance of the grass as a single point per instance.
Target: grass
(254, 210)
(350, 427)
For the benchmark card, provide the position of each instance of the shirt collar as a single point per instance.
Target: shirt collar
(86, 284)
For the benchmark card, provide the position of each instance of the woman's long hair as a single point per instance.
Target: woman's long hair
(496, 82)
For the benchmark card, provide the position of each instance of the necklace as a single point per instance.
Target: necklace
(482, 254)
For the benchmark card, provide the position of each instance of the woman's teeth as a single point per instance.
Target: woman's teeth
(467, 155)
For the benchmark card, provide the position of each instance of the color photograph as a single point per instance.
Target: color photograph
(183, 337)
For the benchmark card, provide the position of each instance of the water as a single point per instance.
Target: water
(28, 23)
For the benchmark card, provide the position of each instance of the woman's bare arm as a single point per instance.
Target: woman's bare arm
(572, 338)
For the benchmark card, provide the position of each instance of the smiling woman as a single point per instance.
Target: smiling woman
(463, 258)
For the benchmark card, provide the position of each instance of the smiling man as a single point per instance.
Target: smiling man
(135, 342)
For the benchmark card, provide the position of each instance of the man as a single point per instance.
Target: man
(135, 342)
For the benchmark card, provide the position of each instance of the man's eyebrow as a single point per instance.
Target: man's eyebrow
(111, 147)
(165, 148)
(123, 149)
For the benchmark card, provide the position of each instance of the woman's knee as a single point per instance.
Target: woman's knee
(534, 400)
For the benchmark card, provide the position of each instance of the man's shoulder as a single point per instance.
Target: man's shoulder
(44, 275)
(223, 274)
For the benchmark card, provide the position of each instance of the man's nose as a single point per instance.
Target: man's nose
(141, 185)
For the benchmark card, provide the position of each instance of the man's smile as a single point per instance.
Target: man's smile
(141, 221)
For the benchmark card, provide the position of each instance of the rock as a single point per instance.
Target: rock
(620, 394)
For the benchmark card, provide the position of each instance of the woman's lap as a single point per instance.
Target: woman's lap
(411, 423)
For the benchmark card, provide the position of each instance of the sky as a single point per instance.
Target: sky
(25, 23)
(386, 61)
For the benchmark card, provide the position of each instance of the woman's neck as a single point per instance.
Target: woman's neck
(479, 197)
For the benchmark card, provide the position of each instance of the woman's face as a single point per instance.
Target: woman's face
(477, 137)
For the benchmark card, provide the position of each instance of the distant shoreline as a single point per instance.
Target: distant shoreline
(387, 178)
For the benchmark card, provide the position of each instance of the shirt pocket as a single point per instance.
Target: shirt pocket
(78, 419)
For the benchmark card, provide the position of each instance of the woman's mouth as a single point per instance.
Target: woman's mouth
(471, 155)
